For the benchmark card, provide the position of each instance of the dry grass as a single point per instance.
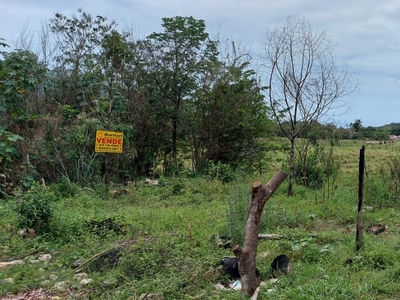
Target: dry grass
(375, 155)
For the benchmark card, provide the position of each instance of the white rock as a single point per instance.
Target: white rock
(61, 286)
(80, 276)
(219, 286)
(34, 261)
(45, 257)
(86, 281)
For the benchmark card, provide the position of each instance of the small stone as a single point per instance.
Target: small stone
(31, 233)
(264, 254)
(44, 257)
(86, 281)
(53, 277)
(61, 286)
(109, 282)
(34, 261)
(219, 286)
(80, 276)
(6, 280)
(76, 264)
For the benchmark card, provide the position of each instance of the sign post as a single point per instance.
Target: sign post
(108, 142)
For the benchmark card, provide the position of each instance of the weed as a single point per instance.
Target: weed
(167, 247)
(35, 208)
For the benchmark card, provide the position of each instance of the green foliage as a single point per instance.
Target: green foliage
(237, 214)
(73, 153)
(8, 153)
(3, 44)
(382, 189)
(20, 73)
(318, 167)
(79, 38)
(65, 188)
(21, 77)
(168, 249)
(35, 208)
(176, 99)
(220, 171)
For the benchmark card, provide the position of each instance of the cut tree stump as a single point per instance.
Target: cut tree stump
(247, 256)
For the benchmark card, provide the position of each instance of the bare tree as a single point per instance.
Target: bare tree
(304, 78)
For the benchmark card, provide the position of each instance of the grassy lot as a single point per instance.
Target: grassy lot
(159, 239)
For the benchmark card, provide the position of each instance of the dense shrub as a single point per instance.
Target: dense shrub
(35, 208)
(381, 188)
(316, 168)
(220, 171)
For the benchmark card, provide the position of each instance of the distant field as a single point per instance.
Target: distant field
(348, 152)
(375, 155)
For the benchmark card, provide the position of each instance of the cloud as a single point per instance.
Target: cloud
(363, 31)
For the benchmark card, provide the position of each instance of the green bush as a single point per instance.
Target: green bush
(220, 171)
(35, 208)
(65, 188)
(382, 188)
(317, 167)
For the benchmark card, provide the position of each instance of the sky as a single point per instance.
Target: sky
(366, 35)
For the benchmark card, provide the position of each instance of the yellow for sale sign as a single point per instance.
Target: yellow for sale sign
(109, 141)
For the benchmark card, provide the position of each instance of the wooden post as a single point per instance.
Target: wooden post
(107, 170)
(247, 256)
(360, 222)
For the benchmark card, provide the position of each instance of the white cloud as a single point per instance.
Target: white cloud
(365, 33)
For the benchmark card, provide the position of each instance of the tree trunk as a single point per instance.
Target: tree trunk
(247, 256)
(291, 167)
(107, 170)
(174, 144)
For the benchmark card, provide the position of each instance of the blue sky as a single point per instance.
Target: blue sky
(366, 34)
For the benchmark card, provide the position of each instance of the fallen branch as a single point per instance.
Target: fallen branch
(270, 236)
(79, 268)
(11, 263)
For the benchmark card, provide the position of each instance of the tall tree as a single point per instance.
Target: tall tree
(21, 88)
(230, 118)
(80, 40)
(357, 125)
(176, 58)
(305, 80)
(84, 84)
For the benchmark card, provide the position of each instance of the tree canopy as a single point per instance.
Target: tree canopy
(181, 99)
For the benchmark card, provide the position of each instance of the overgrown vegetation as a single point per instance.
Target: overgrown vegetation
(161, 239)
(195, 121)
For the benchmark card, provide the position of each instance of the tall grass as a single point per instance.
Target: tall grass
(168, 246)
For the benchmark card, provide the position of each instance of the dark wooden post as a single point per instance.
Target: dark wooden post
(247, 256)
(107, 174)
(360, 222)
